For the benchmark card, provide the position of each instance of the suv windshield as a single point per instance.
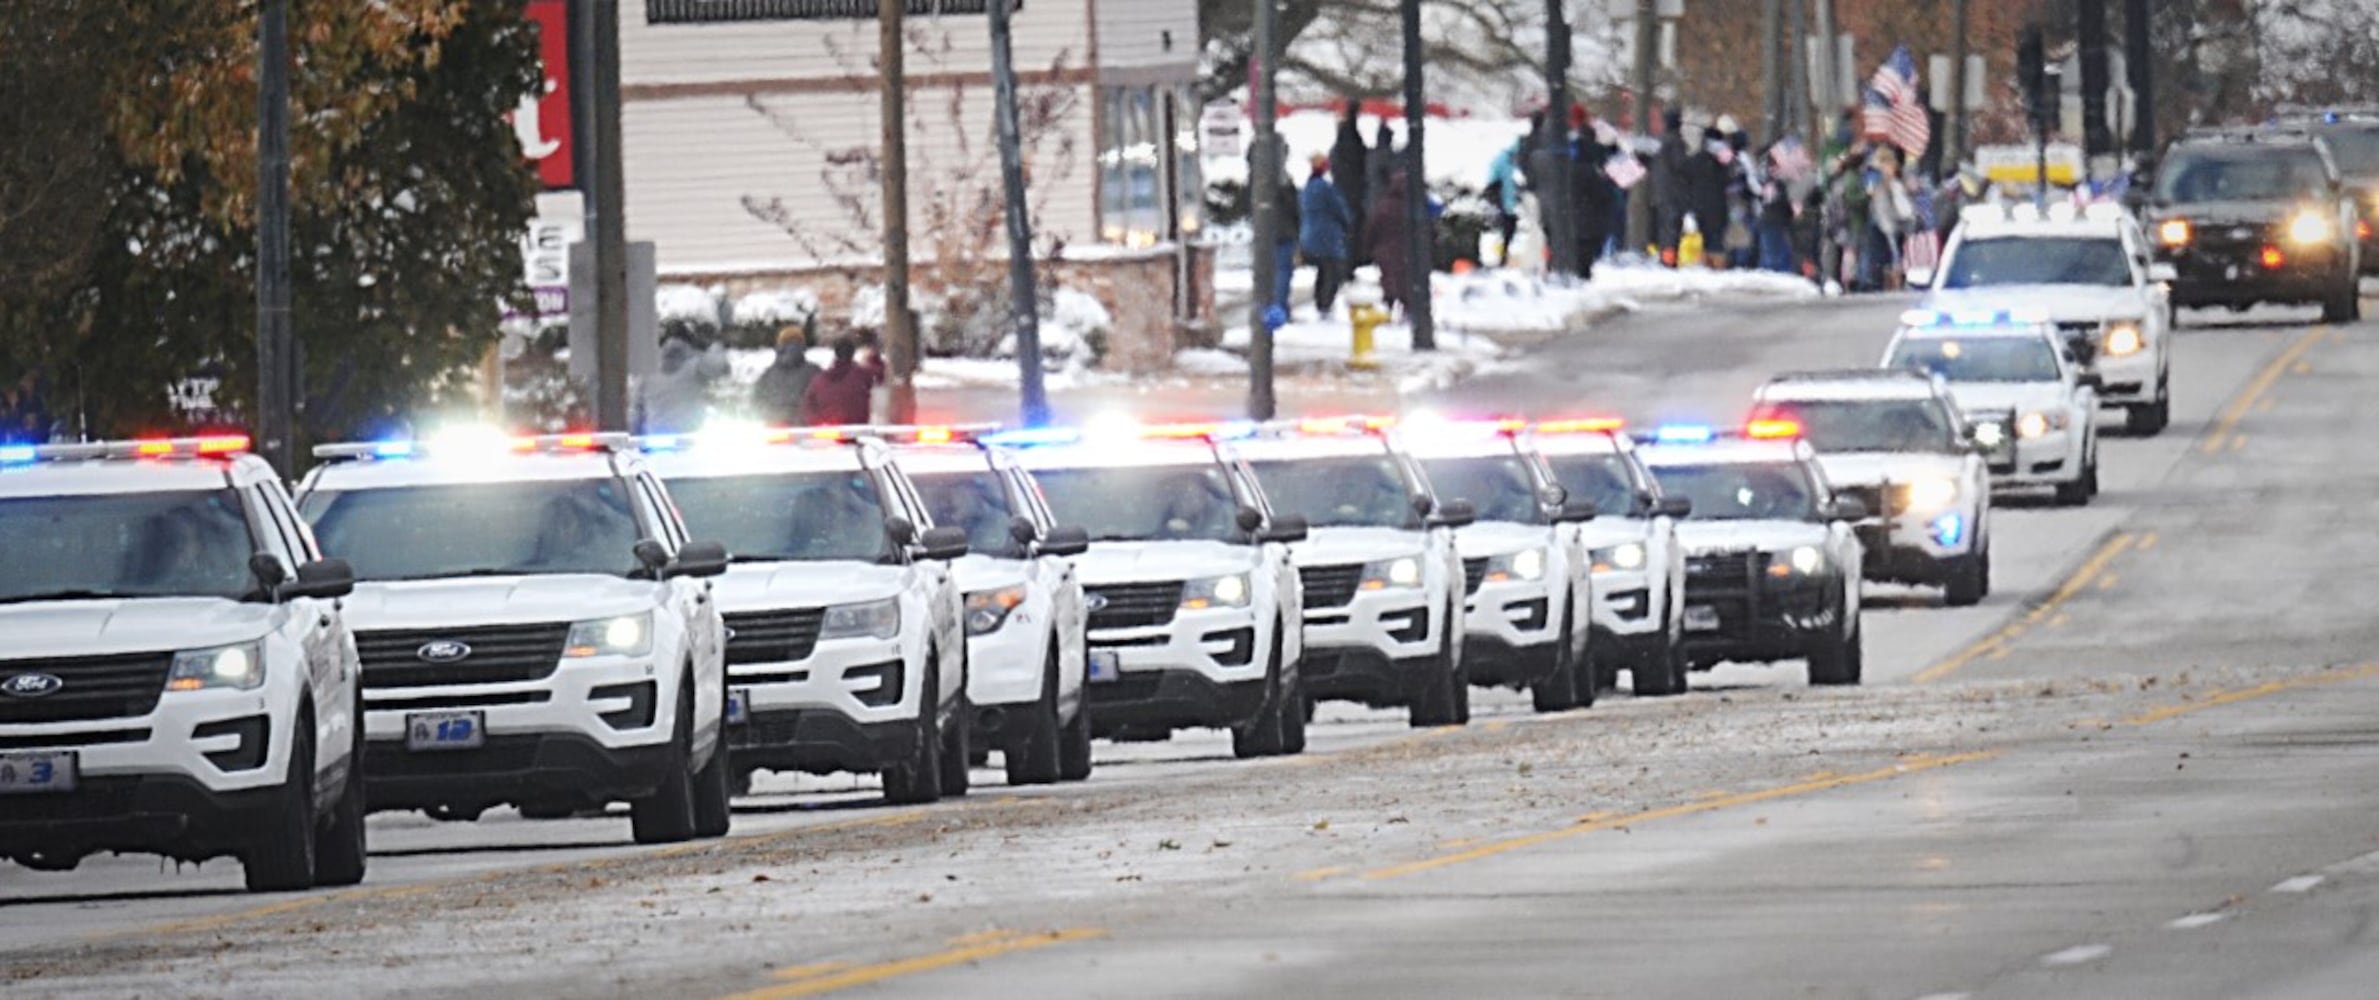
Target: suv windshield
(182, 544)
(2241, 175)
(1901, 425)
(479, 529)
(1742, 491)
(2356, 148)
(1602, 480)
(1164, 503)
(1983, 359)
(1355, 491)
(972, 501)
(788, 517)
(1497, 485)
(2043, 260)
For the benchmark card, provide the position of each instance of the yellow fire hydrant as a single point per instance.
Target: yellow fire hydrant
(1363, 312)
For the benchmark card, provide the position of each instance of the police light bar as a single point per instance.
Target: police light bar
(1970, 318)
(1329, 426)
(1774, 429)
(1684, 434)
(467, 441)
(208, 446)
(1034, 437)
(1581, 425)
(1232, 430)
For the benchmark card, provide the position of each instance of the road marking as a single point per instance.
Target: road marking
(1319, 874)
(2077, 955)
(2299, 884)
(1945, 996)
(2304, 368)
(2265, 406)
(2196, 920)
(2221, 698)
(2238, 442)
(2147, 541)
(1490, 849)
(2108, 581)
(2081, 579)
(2229, 421)
(982, 946)
(2061, 619)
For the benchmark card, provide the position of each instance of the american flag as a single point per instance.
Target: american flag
(1895, 111)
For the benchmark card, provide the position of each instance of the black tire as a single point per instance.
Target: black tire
(667, 815)
(714, 791)
(2343, 305)
(1461, 692)
(1439, 690)
(1660, 673)
(2151, 419)
(1073, 745)
(1969, 579)
(918, 780)
(958, 750)
(340, 854)
(1557, 691)
(2077, 493)
(549, 809)
(1606, 664)
(283, 856)
(1295, 711)
(1260, 736)
(1839, 658)
(1031, 754)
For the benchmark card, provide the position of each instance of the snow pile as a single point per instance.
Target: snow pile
(689, 304)
(1326, 346)
(774, 307)
(1500, 301)
(1645, 282)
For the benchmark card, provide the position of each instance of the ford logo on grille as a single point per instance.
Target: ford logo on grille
(443, 651)
(32, 685)
(1094, 602)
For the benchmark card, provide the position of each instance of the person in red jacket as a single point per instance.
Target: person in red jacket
(839, 395)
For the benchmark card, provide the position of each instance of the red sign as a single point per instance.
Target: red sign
(542, 123)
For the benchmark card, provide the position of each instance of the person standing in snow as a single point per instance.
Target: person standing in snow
(1390, 241)
(1591, 190)
(676, 399)
(1705, 198)
(1503, 192)
(841, 393)
(1669, 197)
(1772, 218)
(1349, 163)
(1324, 231)
(1379, 164)
(776, 398)
(1891, 215)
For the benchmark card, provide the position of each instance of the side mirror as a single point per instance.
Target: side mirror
(1423, 505)
(1065, 540)
(903, 531)
(1553, 496)
(1920, 277)
(268, 570)
(1455, 514)
(329, 579)
(700, 560)
(942, 544)
(1286, 528)
(1847, 509)
(653, 556)
(1024, 531)
(1575, 512)
(1251, 520)
(2163, 272)
(1673, 505)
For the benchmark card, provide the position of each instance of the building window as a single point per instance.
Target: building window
(1132, 197)
(1189, 184)
(718, 11)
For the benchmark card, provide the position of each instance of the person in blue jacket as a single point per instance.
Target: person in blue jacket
(1325, 233)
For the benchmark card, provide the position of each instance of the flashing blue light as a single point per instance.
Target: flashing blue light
(663, 442)
(1235, 430)
(1950, 528)
(2329, 117)
(1686, 434)
(1033, 437)
(393, 449)
(17, 454)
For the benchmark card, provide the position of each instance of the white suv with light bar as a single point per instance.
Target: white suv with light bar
(1027, 651)
(1894, 439)
(1524, 561)
(1381, 571)
(536, 629)
(2033, 407)
(2088, 271)
(846, 647)
(1194, 604)
(1638, 568)
(178, 677)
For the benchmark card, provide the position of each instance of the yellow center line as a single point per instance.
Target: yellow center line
(2147, 540)
(812, 984)
(1319, 874)
(2232, 697)
(2229, 421)
(1997, 641)
(1488, 850)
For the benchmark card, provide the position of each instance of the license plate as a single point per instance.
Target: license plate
(445, 730)
(739, 706)
(1105, 664)
(37, 773)
(1701, 619)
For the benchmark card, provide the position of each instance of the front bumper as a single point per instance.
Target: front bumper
(1762, 623)
(1628, 603)
(1007, 665)
(2131, 380)
(169, 814)
(1372, 649)
(245, 746)
(599, 729)
(510, 770)
(1513, 628)
(1196, 670)
(819, 741)
(2049, 460)
(1917, 547)
(2229, 274)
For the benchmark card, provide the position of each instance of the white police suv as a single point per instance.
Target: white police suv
(1893, 439)
(1772, 564)
(2090, 272)
(1637, 566)
(1027, 633)
(1381, 571)
(845, 648)
(535, 626)
(2032, 404)
(178, 677)
(1194, 604)
(1524, 561)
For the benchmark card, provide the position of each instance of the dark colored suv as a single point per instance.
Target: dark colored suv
(2248, 217)
(2353, 138)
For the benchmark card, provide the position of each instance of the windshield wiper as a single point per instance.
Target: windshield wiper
(459, 574)
(70, 594)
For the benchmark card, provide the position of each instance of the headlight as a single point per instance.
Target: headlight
(239, 668)
(1619, 558)
(1396, 573)
(2173, 232)
(987, 610)
(626, 635)
(1220, 592)
(1932, 494)
(1803, 561)
(1990, 435)
(865, 620)
(1527, 565)
(2039, 423)
(2122, 339)
(2311, 227)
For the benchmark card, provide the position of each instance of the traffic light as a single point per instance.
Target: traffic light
(2040, 103)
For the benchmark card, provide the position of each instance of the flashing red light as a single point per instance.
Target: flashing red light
(822, 434)
(2272, 258)
(1178, 430)
(2362, 229)
(1772, 430)
(524, 444)
(1510, 425)
(576, 442)
(1582, 425)
(223, 444)
(933, 435)
(152, 449)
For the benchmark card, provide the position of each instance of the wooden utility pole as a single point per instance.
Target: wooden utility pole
(608, 219)
(1771, 77)
(900, 325)
(1554, 191)
(1262, 193)
(1954, 149)
(1416, 187)
(1024, 307)
(1639, 206)
(276, 368)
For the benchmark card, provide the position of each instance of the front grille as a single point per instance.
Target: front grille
(1474, 572)
(1330, 586)
(773, 636)
(1133, 605)
(500, 654)
(1722, 573)
(90, 687)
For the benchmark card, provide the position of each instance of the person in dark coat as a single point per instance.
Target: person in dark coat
(1592, 192)
(1541, 167)
(1380, 164)
(840, 394)
(777, 396)
(1705, 199)
(1324, 234)
(1349, 163)
(1667, 177)
(1390, 241)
